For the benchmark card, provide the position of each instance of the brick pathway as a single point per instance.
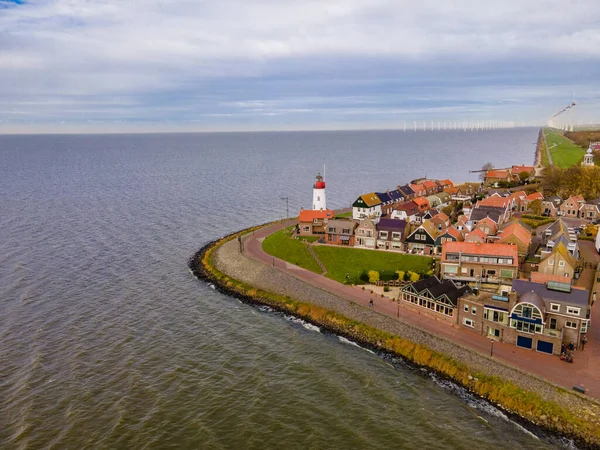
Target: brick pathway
(584, 372)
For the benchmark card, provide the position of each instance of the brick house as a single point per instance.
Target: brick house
(341, 232)
(570, 207)
(365, 235)
(311, 221)
(516, 234)
(550, 205)
(390, 234)
(477, 263)
(559, 262)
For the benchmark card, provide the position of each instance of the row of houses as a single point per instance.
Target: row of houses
(537, 314)
(573, 207)
(412, 198)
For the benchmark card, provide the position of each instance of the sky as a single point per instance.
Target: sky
(221, 65)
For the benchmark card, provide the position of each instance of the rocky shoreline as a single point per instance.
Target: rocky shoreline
(232, 273)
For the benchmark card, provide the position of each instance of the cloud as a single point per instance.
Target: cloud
(165, 60)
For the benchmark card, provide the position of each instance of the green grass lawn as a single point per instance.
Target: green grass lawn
(282, 246)
(340, 261)
(566, 153)
(343, 215)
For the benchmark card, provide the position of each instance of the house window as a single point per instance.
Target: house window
(329, 238)
(383, 234)
(506, 273)
(474, 310)
(346, 230)
(331, 229)
(526, 312)
(306, 229)
(550, 262)
(570, 324)
(584, 326)
(395, 235)
(561, 264)
(554, 307)
(552, 325)
(466, 308)
(573, 311)
(469, 322)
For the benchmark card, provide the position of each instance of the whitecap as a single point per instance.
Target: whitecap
(343, 340)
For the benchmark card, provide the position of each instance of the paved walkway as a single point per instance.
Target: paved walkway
(584, 372)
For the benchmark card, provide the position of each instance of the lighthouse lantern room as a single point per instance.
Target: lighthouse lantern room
(319, 199)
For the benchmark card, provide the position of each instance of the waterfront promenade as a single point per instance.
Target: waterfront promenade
(584, 372)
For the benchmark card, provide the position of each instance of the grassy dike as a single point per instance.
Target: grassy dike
(526, 405)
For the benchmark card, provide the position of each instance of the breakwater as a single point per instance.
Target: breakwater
(524, 397)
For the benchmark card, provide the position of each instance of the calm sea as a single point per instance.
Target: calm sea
(108, 341)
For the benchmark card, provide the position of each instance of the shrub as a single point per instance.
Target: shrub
(386, 289)
(373, 276)
(401, 274)
(414, 277)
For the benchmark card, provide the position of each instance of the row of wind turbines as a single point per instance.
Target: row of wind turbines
(564, 119)
(469, 125)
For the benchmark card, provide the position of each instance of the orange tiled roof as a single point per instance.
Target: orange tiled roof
(417, 187)
(495, 201)
(430, 184)
(451, 190)
(490, 223)
(518, 194)
(503, 174)
(455, 233)
(476, 235)
(476, 248)
(515, 170)
(535, 196)
(517, 230)
(309, 215)
(446, 183)
(421, 201)
(538, 277)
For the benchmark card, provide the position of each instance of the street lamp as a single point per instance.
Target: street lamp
(492, 348)
(287, 206)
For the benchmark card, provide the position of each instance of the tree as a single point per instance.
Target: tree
(524, 176)
(373, 276)
(448, 210)
(485, 168)
(536, 207)
(401, 274)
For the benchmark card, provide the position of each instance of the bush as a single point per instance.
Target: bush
(373, 276)
(401, 275)
(414, 277)
(386, 289)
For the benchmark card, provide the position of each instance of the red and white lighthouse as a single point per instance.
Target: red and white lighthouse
(319, 199)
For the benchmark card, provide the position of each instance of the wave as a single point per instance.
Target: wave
(343, 340)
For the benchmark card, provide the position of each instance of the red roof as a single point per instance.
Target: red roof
(446, 183)
(538, 277)
(503, 174)
(476, 248)
(417, 188)
(496, 201)
(309, 215)
(421, 201)
(535, 196)
(515, 170)
(517, 230)
(430, 184)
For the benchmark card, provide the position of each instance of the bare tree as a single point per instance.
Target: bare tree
(484, 169)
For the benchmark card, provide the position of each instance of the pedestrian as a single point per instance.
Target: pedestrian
(583, 341)
(371, 303)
